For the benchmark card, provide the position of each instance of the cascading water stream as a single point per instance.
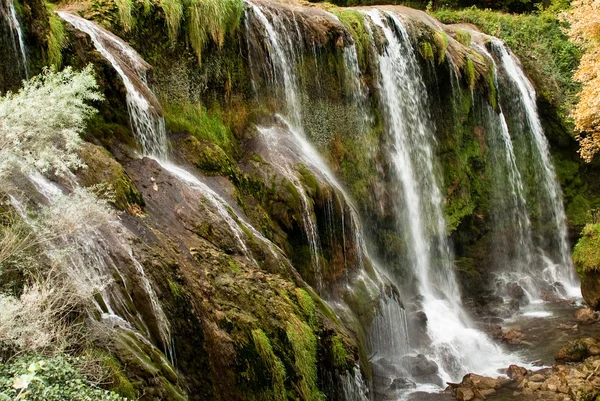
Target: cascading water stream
(9, 14)
(144, 110)
(282, 56)
(148, 124)
(456, 346)
(511, 211)
(92, 257)
(560, 270)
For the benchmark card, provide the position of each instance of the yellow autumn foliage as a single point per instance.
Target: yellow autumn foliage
(585, 32)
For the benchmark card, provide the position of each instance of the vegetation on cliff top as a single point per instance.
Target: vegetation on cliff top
(539, 40)
(584, 31)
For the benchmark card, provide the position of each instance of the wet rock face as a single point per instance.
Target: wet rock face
(390, 380)
(516, 292)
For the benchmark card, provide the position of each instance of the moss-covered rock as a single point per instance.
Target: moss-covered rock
(102, 168)
(586, 256)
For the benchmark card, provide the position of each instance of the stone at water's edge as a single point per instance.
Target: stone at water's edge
(586, 316)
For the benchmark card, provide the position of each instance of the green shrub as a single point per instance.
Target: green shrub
(586, 254)
(212, 19)
(35, 378)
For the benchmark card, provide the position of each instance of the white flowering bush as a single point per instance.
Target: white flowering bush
(40, 129)
(40, 125)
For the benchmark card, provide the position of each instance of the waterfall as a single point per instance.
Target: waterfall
(456, 346)
(9, 14)
(561, 269)
(281, 35)
(147, 123)
(513, 241)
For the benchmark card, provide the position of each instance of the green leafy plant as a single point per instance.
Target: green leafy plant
(36, 378)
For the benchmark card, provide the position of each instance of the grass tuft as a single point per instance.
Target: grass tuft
(212, 20)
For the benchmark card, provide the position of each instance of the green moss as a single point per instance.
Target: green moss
(586, 254)
(304, 344)
(492, 90)
(427, 51)
(470, 73)
(56, 38)
(234, 266)
(308, 179)
(194, 119)
(273, 364)
(306, 304)
(355, 22)
(102, 168)
(340, 355)
(441, 42)
(119, 383)
(463, 37)
(579, 211)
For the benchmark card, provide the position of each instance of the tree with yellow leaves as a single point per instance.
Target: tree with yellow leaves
(585, 32)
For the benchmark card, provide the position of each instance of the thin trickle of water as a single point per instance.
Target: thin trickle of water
(389, 331)
(9, 14)
(282, 157)
(355, 85)
(147, 123)
(220, 205)
(90, 254)
(456, 346)
(282, 57)
(354, 387)
(552, 195)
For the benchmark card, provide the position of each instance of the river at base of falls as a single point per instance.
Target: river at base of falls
(546, 327)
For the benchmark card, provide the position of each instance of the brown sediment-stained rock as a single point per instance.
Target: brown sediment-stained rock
(515, 372)
(513, 337)
(537, 378)
(572, 351)
(464, 394)
(585, 316)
